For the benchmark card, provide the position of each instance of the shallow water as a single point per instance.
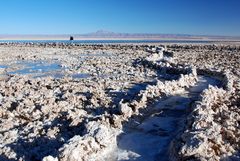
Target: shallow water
(79, 76)
(40, 69)
(28, 67)
(149, 137)
(3, 66)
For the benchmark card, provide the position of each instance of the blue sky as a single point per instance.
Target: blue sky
(210, 17)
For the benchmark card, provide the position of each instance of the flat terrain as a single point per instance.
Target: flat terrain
(119, 101)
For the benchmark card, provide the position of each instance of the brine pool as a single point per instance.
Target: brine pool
(38, 69)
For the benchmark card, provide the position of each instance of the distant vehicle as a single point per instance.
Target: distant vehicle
(71, 38)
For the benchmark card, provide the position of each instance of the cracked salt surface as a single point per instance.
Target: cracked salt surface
(150, 138)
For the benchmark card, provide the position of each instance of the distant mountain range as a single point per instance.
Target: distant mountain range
(102, 34)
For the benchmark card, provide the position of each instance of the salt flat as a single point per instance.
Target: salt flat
(119, 101)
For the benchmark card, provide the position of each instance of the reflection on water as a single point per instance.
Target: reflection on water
(38, 69)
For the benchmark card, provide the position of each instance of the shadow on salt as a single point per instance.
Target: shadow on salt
(149, 137)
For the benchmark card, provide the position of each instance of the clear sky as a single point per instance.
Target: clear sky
(212, 17)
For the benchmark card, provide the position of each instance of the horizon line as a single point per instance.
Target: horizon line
(110, 33)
